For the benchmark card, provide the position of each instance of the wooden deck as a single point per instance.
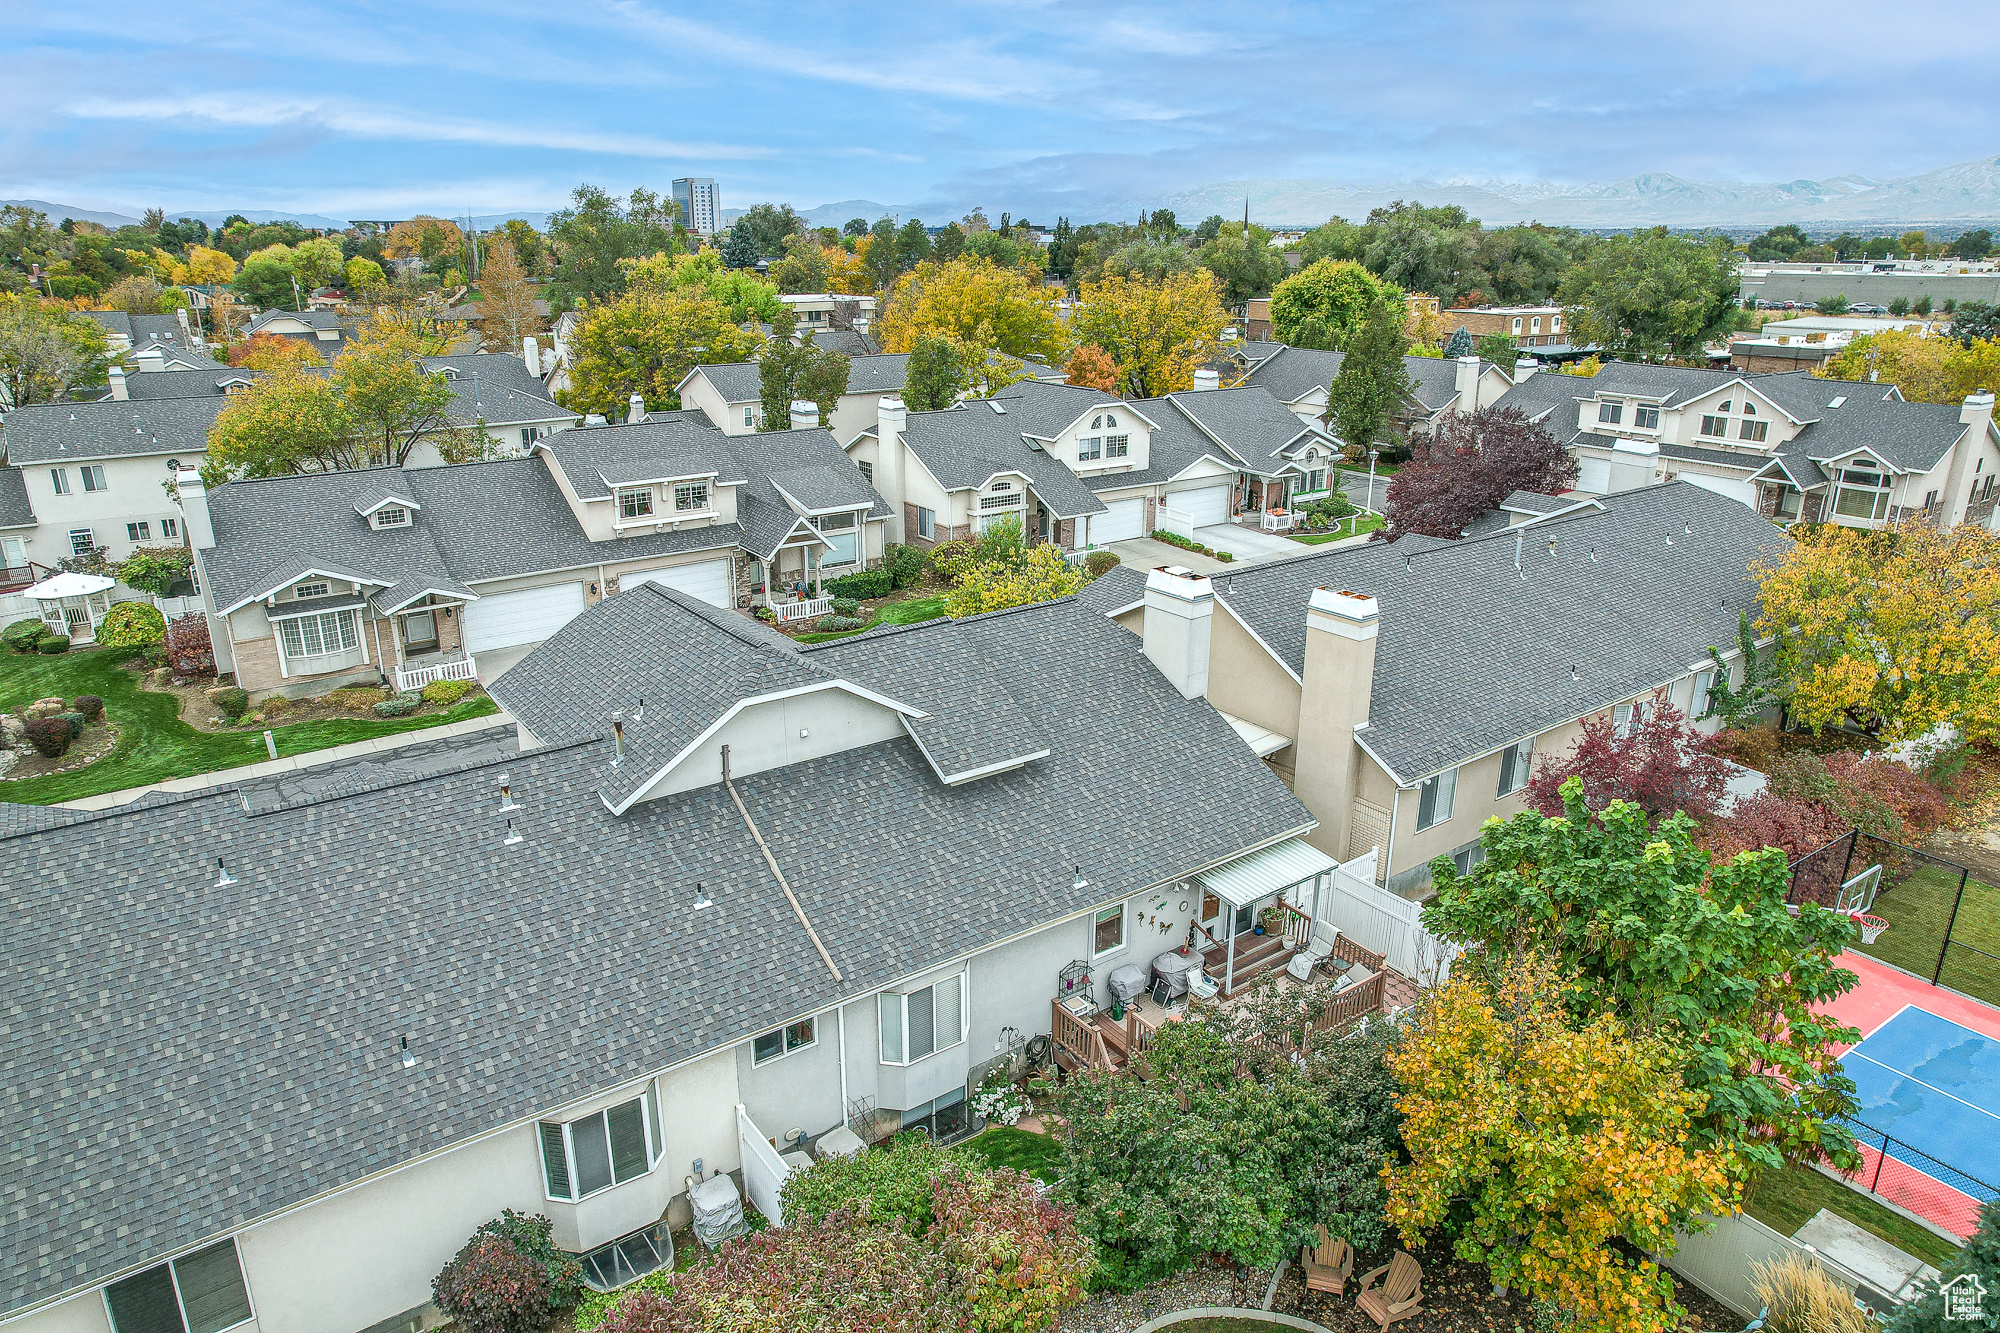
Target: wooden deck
(1100, 1042)
(1258, 956)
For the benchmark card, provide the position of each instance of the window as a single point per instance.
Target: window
(1007, 501)
(1465, 858)
(867, 470)
(60, 480)
(926, 523)
(1698, 699)
(783, 1041)
(197, 1293)
(1749, 409)
(1646, 418)
(529, 434)
(840, 529)
(1862, 495)
(142, 531)
(944, 1119)
(1089, 447)
(81, 541)
(170, 527)
(749, 416)
(1515, 761)
(1517, 324)
(1624, 717)
(317, 636)
(923, 1022)
(1611, 412)
(1754, 431)
(1535, 324)
(93, 477)
(1726, 405)
(1117, 446)
(1434, 799)
(601, 1150)
(1109, 931)
(691, 498)
(1930, 500)
(1104, 421)
(392, 516)
(635, 504)
(1716, 426)
(319, 589)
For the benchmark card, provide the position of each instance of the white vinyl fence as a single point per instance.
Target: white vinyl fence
(1720, 1261)
(1379, 920)
(1176, 521)
(764, 1171)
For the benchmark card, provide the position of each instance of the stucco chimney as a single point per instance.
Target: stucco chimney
(119, 393)
(1466, 382)
(1976, 415)
(1206, 379)
(1525, 366)
(194, 510)
(187, 334)
(531, 355)
(805, 414)
(1179, 615)
(891, 416)
(152, 359)
(635, 412)
(1339, 681)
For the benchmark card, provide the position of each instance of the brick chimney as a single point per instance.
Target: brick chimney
(1179, 615)
(1339, 681)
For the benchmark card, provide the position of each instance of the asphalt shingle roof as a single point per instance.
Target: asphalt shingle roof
(964, 446)
(145, 387)
(185, 1059)
(1293, 372)
(1548, 395)
(494, 388)
(1472, 656)
(15, 510)
(1909, 436)
(73, 432)
(1251, 421)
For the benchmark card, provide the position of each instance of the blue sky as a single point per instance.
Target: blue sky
(371, 109)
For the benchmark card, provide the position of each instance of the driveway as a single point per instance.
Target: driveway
(1356, 486)
(1145, 553)
(1247, 544)
(494, 661)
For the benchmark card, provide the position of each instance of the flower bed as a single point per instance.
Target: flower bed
(1175, 539)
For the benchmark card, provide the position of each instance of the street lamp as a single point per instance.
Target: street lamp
(1373, 454)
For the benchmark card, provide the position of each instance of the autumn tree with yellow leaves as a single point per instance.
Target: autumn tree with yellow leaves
(1537, 1139)
(1157, 333)
(1924, 370)
(1897, 631)
(981, 307)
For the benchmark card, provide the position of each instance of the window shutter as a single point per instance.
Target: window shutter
(653, 1118)
(144, 1303)
(212, 1292)
(555, 1164)
(628, 1141)
(923, 1033)
(948, 1010)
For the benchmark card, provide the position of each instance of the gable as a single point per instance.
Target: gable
(775, 731)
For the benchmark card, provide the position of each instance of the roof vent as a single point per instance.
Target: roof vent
(994, 403)
(1838, 400)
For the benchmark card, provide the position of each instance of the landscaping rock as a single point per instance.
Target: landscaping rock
(46, 707)
(12, 726)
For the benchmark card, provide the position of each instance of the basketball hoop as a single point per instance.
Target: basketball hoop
(1871, 926)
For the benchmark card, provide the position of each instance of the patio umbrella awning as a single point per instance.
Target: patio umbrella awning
(70, 584)
(1264, 873)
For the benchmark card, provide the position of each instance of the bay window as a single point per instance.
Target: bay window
(603, 1149)
(922, 1022)
(844, 531)
(1863, 494)
(320, 635)
(201, 1292)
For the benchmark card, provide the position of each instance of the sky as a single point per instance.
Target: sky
(366, 108)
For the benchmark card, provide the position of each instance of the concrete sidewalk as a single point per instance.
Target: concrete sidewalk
(1247, 543)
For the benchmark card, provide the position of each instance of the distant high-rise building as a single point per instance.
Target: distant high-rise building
(700, 202)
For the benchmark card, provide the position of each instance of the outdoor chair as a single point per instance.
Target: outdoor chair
(1329, 1265)
(1399, 1297)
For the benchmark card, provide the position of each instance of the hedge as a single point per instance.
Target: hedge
(446, 692)
(52, 644)
(870, 583)
(21, 635)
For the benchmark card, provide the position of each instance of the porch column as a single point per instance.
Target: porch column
(812, 564)
(1229, 967)
(1319, 883)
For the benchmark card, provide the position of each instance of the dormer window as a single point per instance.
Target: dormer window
(1610, 413)
(392, 516)
(1089, 447)
(636, 503)
(691, 498)
(1645, 417)
(318, 588)
(1117, 446)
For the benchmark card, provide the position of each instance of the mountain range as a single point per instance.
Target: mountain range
(1951, 197)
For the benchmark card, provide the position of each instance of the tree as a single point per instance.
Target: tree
(1917, 366)
(389, 399)
(1976, 321)
(1657, 762)
(271, 351)
(508, 313)
(1896, 632)
(933, 377)
(1833, 305)
(804, 267)
(1208, 229)
(1157, 333)
(1650, 295)
(1975, 244)
(981, 306)
(766, 226)
(365, 278)
(317, 262)
(1459, 344)
(646, 342)
(1372, 383)
(1539, 1138)
(949, 243)
(284, 423)
(47, 353)
(266, 281)
(1421, 249)
(855, 227)
(1499, 349)
(1040, 574)
(423, 237)
(1245, 266)
(789, 370)
(1469, 462)
(1335, 294)
(1525, 265)
(745, 297)
(1980, 1257)
(1093, 368)
(591, 236)
(137, 295)
(208, 267)
(739, 251)
(1677, 945)
(1149, 258)
(913, 245)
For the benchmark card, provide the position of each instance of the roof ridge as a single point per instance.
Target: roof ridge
(394, 781)
(879, 632)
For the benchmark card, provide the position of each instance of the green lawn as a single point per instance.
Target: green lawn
(1037, 1154)
(153, 743)
(1918, 910)
(1368, 523)
(1785, 1200)
(909, 611)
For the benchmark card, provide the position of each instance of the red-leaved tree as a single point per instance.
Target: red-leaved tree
(1014, 1257)
(1769, 820)
(1658, 762)
(189, 648)
(1468, 463)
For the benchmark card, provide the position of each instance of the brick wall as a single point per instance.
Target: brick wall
(945, 532)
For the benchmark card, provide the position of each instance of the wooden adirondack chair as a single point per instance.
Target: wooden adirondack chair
(1399, 1297)
(1329, 1265)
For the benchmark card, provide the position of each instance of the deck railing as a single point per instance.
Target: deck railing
(806, 608)
(416, 677)
(1076, 1038)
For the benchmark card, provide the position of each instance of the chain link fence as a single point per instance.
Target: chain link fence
(1946, 1194)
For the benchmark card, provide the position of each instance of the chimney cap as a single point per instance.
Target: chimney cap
(1353, 606)
(1185, 587)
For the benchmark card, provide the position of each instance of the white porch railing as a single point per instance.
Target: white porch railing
(1177, 521)
(1284, 522)
(416, 677)
(764, 1171)
(806, 608)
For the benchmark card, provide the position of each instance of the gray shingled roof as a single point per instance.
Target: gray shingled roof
(316, 319)
(848, 342)
(1908, 436)
(1251, 421)
(183, 1060)
(1293, 372)
(882, 373)
(146, 387)
(1435, 380)
(597, 458)
(965, 446)
(72, 432)
(1547, 395)
(15, 511)
(1472, 656)
(176, 353)
(114, 321)
(736, 381)
(494, 388)
(1115, 589)
(1715, 457)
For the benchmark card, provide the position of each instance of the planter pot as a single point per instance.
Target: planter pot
(1256, 930)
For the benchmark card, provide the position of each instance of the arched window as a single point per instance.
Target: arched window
(1110, 421)
(1749, 409)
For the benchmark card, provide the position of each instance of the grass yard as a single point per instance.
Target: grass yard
(1001, 1145)
(153, 743)
(908, 611)
(1785, 1200)
(1368, 523)
(1918, 910)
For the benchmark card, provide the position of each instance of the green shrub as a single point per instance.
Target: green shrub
(1097, 562)
(869, 583)
(49, 735)
(905, 563)
(132, 625)
(232, 702)
(835, 624)
(444, 693)
(948, 560)
(896, 1181)
(21, 635)
(360, 698)
(52, 644)
(845, 606)
(75, 720)
(91, 706)
(397, 707)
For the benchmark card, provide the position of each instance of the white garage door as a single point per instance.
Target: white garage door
(1121, 521)
(1209, 507)
(505, 619)
(1593, 475)
(708, 580)
(1743, 492)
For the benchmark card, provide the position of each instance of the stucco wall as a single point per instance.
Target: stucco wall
(783, 731)
(132, 492)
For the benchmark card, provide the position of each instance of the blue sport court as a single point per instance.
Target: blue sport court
(1930, 1089)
